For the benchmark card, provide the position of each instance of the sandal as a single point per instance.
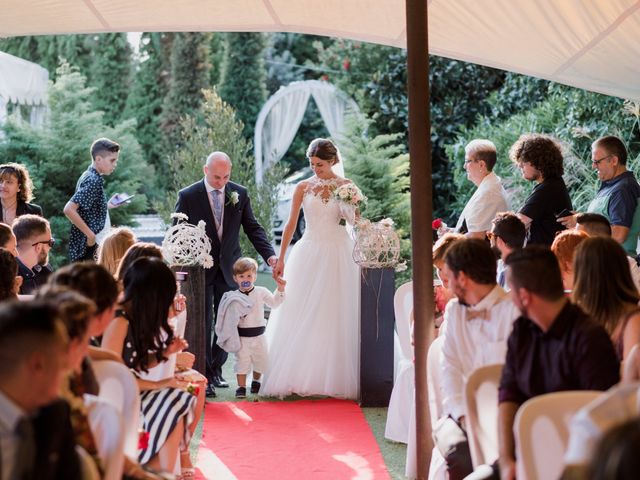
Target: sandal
(188, 473)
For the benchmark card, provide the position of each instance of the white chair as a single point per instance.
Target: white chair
(108, 431)
(437, 468)
(542, 432)
(88, 468)
(118, 386)
(399, 411)
(481, 400)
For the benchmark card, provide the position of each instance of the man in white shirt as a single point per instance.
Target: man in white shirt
(476, 328)
(490, 197)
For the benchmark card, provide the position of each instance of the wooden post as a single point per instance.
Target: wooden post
(376, 336)
(193, 289)
(421, 214)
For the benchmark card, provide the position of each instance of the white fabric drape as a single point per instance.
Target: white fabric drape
(281, 126)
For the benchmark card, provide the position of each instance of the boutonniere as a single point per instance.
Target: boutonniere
(234, 198)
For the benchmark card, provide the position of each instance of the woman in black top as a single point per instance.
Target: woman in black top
(16, 190)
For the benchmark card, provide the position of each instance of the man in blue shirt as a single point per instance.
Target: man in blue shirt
(617, 197)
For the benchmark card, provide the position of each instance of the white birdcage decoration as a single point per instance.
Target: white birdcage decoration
(185, 244)
(377, 244)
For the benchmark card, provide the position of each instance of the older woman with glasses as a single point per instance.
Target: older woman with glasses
(16, 190)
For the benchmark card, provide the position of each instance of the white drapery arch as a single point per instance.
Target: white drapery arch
(281, 116)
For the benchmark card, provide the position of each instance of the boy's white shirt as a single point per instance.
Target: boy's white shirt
(260, 296)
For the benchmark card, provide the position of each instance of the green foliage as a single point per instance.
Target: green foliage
(111, 75)
(243, 77)
(216, 57)
(378, 166)
(145, 104)
(218, 129)
(189, 75)
(57, 154)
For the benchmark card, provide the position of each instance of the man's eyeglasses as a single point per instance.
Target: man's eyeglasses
(50, 242)
(597, 162)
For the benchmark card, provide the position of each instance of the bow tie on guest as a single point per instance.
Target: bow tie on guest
(481, 314)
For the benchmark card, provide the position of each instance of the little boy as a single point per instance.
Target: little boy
(252, 325)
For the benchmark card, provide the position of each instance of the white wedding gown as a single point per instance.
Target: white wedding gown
(314, 336)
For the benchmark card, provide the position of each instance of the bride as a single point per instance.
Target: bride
(314, 335)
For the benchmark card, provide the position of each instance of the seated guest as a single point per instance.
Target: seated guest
(8, 239)
(603, 288)
(507, 234)
(564, 248)
(596, 225)
(142, 335)
(442, 292)
(490, 197)
(16, 191)
(135, 251)
(554, 346)
(9, 281)
(34, 238)
(539, 158)
(612, 409)
(35, 427)
(476, 327)
(616, 455)
(113, 248)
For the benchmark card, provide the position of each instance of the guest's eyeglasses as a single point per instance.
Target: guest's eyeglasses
(50, 242)
(597, 162)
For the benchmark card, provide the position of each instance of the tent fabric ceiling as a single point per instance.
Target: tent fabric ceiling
(591, 44)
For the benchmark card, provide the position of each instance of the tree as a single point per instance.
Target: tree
(110, 74)
(243, 78)
(215, 128)
(57, 154)
(189, 75)
(146, 101)
(378, 166)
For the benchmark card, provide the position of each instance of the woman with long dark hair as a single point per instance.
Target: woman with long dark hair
(142, 335)
(604, 289)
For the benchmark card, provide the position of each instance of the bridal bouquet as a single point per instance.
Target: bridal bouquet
(186, 244)
(349, 197)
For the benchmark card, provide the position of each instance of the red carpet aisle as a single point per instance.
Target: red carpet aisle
(307, 439)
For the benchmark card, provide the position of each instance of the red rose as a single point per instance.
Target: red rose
(346, 64)
(324, 78)
(143, 440)
(436, 224)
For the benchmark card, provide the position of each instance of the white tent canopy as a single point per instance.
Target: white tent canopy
(23, 83)
(591, 44)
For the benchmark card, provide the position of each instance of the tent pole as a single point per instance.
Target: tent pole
(421, 215)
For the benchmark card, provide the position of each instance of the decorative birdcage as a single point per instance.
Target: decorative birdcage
(377, 244)
(186, 244)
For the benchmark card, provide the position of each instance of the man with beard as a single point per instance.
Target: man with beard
(34, 241)
(476, 327)
(507, 234)
(554, 345)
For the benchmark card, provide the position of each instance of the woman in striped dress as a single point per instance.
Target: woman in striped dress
(141, 333)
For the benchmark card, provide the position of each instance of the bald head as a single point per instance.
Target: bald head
(217, 169)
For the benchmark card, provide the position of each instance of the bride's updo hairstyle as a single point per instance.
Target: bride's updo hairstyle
(323, 149)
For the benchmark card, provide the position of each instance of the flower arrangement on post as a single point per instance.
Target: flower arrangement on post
(378, 245)
(349, 197)
(186, 244)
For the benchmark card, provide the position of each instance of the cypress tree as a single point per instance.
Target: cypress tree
(110, 74)
(189, 75)
(244, 77)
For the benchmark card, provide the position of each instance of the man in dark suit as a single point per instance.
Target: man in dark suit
(36, 438)
(225, 207)
(34, 241)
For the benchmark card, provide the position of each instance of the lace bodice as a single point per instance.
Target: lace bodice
(321, 210)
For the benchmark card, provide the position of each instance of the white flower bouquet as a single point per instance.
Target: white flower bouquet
(350, 197)
(186, 244)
